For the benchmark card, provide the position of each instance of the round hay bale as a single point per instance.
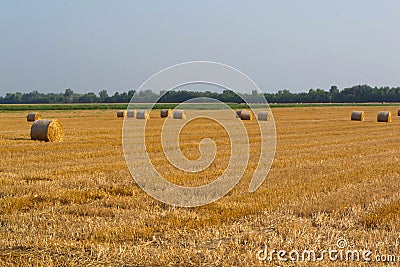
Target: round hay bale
(262, 116)
(384, 116)
(179, 114)
(34, 116)
(121, 113)
(164, 113)
(246, 115)
(238, 113)
(142, 114)
(47, 130)
(131, 113)
(357, 116)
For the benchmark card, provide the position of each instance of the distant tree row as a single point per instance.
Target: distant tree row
(69, 96)
(357, 94)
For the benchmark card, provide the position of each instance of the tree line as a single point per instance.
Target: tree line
(355, 94)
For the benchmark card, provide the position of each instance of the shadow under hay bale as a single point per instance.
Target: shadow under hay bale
(246, 115)
(164, 113)
(358, 116)
(34, 116)
(262, 116)
(398, 112)
(384, 116)
(131, 113)
(19, 139)
(142, 115)
(121, 113)
(179, 114)
(47, 130)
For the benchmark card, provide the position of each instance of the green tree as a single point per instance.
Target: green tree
(69, 95)
(103, 95)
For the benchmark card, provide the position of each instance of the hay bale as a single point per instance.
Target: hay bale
(164, 113)
(384, 116)
(131, 113)
(262, 116)
(47, 130)
(179, 114)
(238, 113)
(121, 113)
(34, 116)
(357, 116)
(142, 114)
(246, 115)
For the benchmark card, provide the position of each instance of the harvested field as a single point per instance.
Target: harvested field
(75, 203)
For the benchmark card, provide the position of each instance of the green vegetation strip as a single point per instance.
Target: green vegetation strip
(25, 107)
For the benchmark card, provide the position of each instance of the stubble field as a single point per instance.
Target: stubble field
(76, 204)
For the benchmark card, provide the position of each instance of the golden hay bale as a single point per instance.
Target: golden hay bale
(34, 116)
(131, 113)
(179, 114)
(121, 113)
(165, 113)
(246, 115)
(47, 130)
(357, 116)
(142, 114)
(238, 113)
(384, 116)
(262, 116)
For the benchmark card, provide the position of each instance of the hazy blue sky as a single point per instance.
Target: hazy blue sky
(91, 44)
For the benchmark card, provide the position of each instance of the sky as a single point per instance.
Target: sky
(116, 45)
